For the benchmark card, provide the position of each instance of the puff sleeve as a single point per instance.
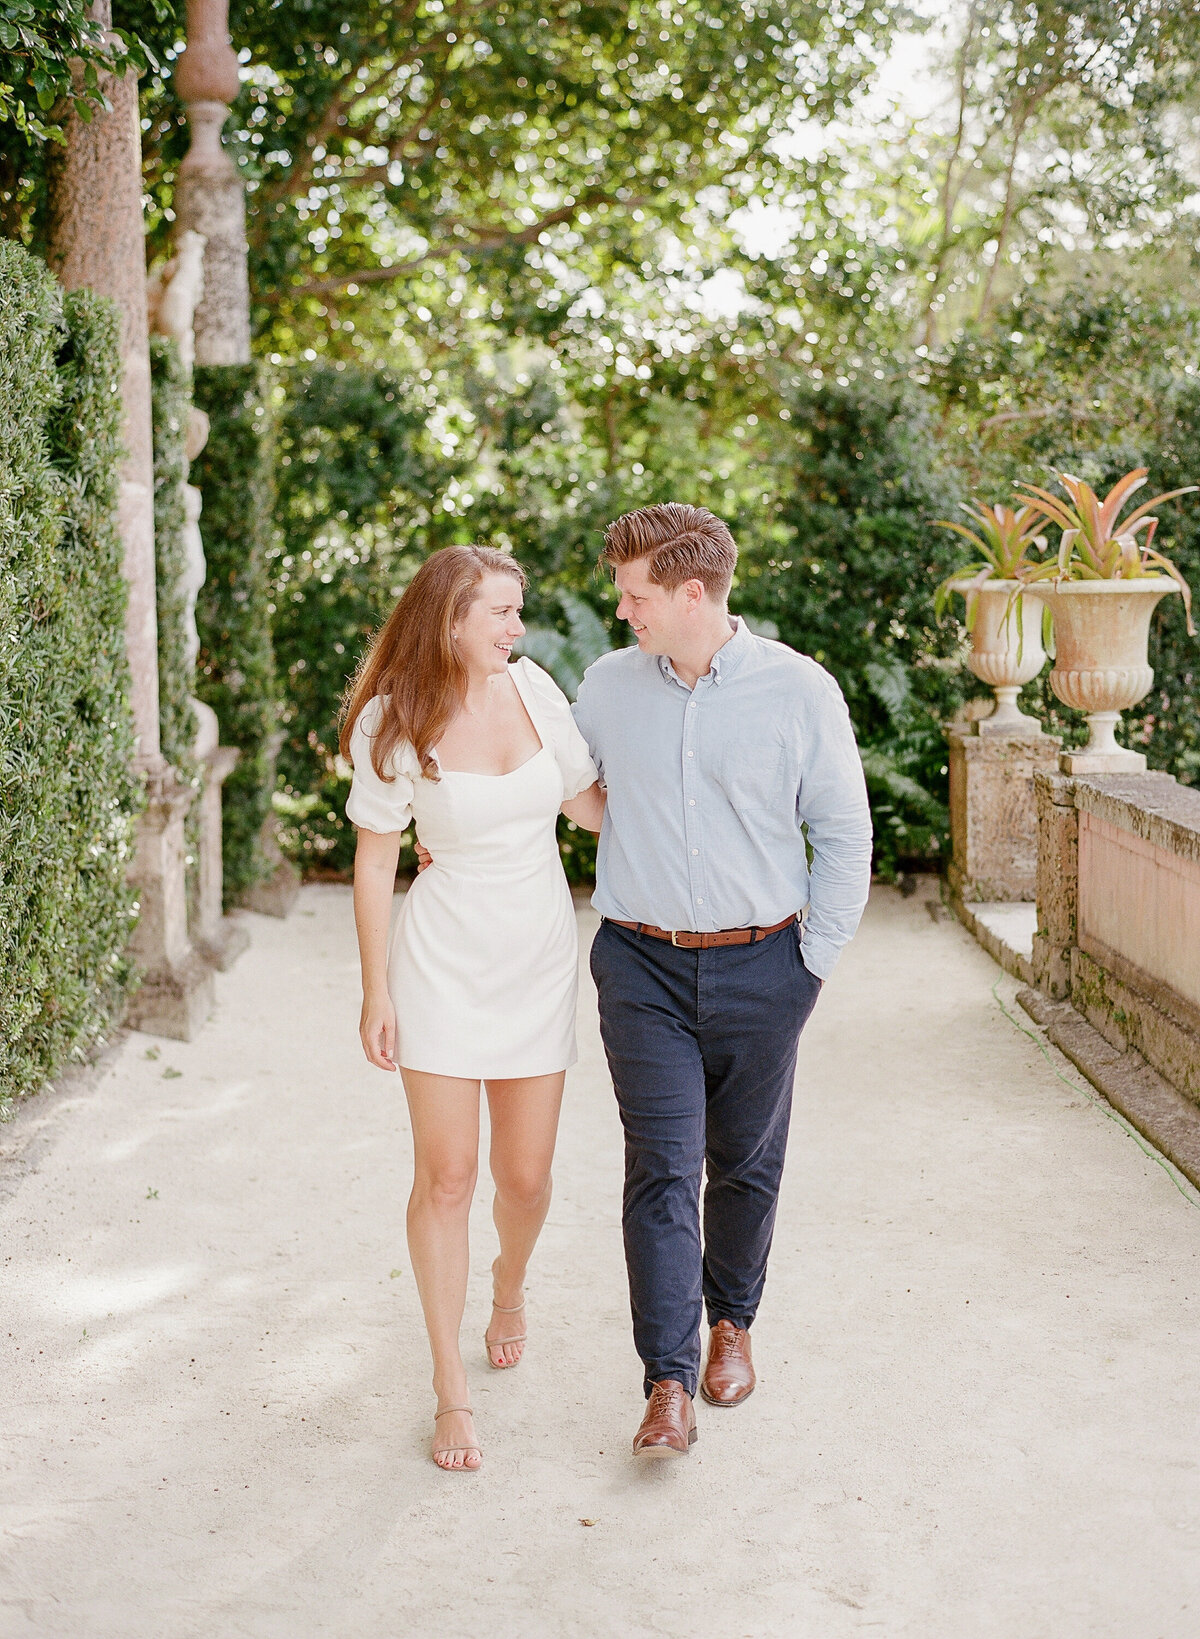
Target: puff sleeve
(373, 804)
(551, 713)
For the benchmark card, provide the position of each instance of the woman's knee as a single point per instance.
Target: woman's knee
(446, 1187)
(524, 1188)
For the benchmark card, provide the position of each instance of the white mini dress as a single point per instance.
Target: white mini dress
(483, 957)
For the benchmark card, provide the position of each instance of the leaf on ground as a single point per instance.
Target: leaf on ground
(152, 1052)
(171, 1075)
(587, 1522)
(394, 1273)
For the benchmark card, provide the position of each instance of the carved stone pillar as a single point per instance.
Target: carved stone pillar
(97, 239)
(209, 196)
(210, 200)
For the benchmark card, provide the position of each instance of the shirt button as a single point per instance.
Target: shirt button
(691, 802)
(695, 850)
(691, 753)
(699, 901)
(691, 705)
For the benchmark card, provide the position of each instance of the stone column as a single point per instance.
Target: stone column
(993, 813)
(210, 200)
(97, 239)
(1057, 884)
(209, 196)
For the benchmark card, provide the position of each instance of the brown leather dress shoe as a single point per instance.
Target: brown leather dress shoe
(728, 1372)
(670, 1422)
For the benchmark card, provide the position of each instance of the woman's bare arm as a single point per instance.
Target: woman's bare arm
(587, 809)
(374, 884)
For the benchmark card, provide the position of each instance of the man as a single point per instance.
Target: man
(716, 747)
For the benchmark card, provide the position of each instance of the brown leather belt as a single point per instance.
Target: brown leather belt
(705, 941)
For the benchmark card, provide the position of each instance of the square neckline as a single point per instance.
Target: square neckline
(514, 671)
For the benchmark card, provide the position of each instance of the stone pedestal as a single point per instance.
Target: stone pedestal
(993, 812)
(176, 993)
(219, 938)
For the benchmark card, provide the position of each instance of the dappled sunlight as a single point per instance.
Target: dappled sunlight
(87, 1297)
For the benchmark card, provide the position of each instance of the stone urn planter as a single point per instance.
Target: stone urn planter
(1006, 649)
(1101, 635)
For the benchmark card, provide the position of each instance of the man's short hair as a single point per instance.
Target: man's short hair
(682, 543)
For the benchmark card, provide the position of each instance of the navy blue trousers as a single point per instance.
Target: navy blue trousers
(701, 1046)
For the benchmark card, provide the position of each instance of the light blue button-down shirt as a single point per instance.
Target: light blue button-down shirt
(708, 789)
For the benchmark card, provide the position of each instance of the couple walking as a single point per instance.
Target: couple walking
(698, 756)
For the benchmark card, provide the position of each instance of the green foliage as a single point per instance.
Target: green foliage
(357, 478)
(1166, 725)
(856, 591)
(172, 399)
(235, 670)
(176, 678)
(53, 54)
(567, 655)
(67, 792)
(39, 42)
(384, 141)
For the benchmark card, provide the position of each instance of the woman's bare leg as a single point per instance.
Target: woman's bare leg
(445, 1127)
(524, 1117)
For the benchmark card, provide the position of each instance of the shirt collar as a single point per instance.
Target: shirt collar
(726, 660)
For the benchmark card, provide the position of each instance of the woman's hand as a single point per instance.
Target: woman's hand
(587, 809)
(377, 1031)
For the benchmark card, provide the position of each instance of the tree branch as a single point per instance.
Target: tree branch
(489, 238)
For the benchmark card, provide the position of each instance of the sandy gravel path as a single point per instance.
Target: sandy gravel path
(979, 1353)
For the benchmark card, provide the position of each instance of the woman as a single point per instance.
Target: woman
(479, 982)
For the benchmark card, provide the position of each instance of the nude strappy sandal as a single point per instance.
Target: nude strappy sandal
(445, 1451)
(491, 1343)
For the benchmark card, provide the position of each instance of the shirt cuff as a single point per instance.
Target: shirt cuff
(820, 956)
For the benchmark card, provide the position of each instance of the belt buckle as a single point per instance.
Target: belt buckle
(674, 940)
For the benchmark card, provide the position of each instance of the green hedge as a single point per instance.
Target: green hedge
(176, 679)
(172, 400)
(67, 792)
(236, 665)
(854, 588)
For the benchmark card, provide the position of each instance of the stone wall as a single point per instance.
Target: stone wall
(1119, 912)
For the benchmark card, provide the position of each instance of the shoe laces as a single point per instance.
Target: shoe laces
(728, 1341)
(664, 1397)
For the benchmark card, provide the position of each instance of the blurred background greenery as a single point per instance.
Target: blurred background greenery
(826, 268)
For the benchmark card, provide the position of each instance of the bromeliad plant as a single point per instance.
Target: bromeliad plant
(1098, 545)
(1003, 539)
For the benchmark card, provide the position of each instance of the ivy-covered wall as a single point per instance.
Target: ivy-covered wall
(67, 792)
(236, 665)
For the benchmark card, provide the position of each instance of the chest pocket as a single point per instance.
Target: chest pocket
(752, 770)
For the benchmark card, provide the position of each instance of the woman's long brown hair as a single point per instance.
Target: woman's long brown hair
(412, 665)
